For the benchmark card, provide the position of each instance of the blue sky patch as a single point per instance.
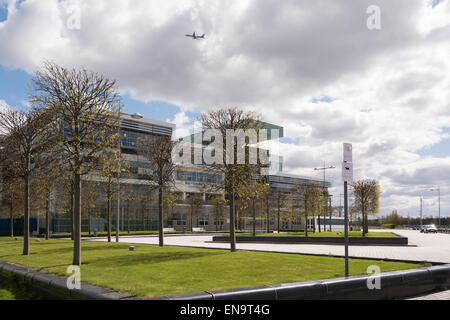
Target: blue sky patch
(3, 12)
(322, 98)
(439, 150)
(435, 3)
(156, 110)
(14, 90)
(13, 86)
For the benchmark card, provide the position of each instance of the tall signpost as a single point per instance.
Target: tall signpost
(347, 176)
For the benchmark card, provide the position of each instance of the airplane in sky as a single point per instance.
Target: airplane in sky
(195, 37)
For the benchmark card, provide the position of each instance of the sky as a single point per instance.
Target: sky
(313, 67)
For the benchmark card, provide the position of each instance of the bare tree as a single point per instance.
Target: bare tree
(280, 198)
(219, 205)
(234, 173)
(195, 204)
(10, 189)
(23, 135)
(157, 150)
(46, 179)
(367, 199)
(249, 194)
(312, 197)
(171, 200)
(111, 165)
(85, 108)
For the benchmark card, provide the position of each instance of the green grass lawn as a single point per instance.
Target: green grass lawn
(151, 271)
(6, 294)
(323, 234)
(12, 291)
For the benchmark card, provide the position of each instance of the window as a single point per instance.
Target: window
(203, 220)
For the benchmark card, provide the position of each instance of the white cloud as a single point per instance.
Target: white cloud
(3, 105)
(183, 123)
(390, 88)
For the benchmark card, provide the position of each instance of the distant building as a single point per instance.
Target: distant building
(138, 206)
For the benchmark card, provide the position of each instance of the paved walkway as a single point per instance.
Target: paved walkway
(423, 247)
(444, 295)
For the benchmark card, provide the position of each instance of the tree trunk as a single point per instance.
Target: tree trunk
(217, 219)
(232, 224)
(192, 219)
(109, 218)
(77, 221)
(254, 217)
(367, 224)
(128, 216)
(363, 224)
(160, 217)
(47, 220)
(318, 222)
(306, 219)
(72, 206)
(331, 215)
(11, 220)
(278, 208)
(268, 215)
(26, 218)
(143, 218)
(89, 222)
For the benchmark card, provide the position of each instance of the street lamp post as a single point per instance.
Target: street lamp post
(438, 189)
(330, 209)
(421, 201)
(324, 169)
(340, 204)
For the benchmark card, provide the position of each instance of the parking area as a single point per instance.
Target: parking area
(429, 247)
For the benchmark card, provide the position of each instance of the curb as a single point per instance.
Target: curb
(55, 288)
(394, 285)
(369, 241)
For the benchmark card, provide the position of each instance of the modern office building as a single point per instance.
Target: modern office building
(198, 205)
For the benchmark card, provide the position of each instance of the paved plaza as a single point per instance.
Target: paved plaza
(444, 295)
(422, 247)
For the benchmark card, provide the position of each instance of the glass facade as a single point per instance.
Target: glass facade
(198, 177)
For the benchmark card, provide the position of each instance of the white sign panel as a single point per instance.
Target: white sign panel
(348, 152)
(347, 171)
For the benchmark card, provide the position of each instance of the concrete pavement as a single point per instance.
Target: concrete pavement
(444, 295)
(424, 247)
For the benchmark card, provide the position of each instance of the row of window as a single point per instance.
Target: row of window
(202, 221)
(198, 177)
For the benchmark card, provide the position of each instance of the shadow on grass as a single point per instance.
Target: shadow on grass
(63, 248)
(111, 255)
(133, 258)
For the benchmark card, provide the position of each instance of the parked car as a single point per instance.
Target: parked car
(429, 229)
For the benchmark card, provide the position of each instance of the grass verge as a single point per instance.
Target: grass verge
(323, 234)
(151, 271)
